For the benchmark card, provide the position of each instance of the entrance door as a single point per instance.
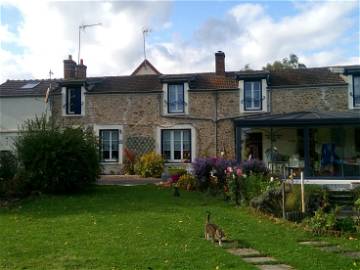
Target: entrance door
(254, 145)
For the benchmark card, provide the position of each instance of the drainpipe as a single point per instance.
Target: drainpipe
(215, 121)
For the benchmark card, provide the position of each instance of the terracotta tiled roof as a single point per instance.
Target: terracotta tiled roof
(213, 81)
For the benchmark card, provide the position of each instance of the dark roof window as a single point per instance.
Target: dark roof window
(29, 85)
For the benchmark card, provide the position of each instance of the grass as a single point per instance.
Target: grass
(145, 227)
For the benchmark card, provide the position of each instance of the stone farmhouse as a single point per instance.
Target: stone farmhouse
(294, 120)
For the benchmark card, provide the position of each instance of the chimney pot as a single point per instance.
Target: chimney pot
(220, 63)
(81, 71)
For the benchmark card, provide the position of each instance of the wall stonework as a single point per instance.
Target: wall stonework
(309, 99)
(141, 114)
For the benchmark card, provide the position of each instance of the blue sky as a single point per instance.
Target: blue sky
(37, 36)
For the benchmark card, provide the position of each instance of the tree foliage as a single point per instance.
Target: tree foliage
(286, 63)
(55, 160)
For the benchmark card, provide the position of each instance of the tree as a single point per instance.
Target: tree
(287, 63)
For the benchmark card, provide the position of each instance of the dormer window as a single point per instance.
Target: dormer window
(252, 96)
(73, 105)
(176, 99)
(356, 91)
(73, 100)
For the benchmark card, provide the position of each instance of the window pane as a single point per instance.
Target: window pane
(176, 98)
(256, 86)
(356, 92)
(247, 86)
(115, 135)
(74, 100)
(166, 144)
(109, 145)
(177, 144)
(186, 135)
(166, 135)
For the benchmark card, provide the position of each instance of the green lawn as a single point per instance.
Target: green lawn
(145, 227)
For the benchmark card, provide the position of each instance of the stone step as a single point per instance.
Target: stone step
(244, 252)
(315, 243)
(274, 267)
(258, 260)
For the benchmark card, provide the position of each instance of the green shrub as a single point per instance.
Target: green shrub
(255, 184)
(179, 171)
(8, 167)
(357, 215)
(321, 221)
(54, 160)
(269, 202)
(315, 197)
(150, 165)
(346, 224)
(186, 181)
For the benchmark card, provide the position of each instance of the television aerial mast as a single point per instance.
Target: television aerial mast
(145, 31)
(83, 27)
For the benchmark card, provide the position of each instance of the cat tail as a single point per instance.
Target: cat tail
(208, 217)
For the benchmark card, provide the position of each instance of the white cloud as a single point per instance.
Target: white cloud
(247, 34)
(49, 32)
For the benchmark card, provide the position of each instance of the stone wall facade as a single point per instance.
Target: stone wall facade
(287, 100)
(210, 114)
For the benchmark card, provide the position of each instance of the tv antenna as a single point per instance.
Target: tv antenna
(145, 31)
(83, 27)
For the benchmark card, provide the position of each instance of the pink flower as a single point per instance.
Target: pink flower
(229, 169)
(238, 172)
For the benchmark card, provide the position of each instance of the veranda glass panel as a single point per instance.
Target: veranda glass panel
(281, 149)
(334, 151)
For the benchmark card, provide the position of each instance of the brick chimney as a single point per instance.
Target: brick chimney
(220, 63)
(81, 71)
(69, 68)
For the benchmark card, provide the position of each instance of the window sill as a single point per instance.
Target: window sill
(110, 162)
(73, 115)
(174, 114)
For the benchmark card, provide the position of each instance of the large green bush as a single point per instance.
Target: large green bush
(55, 160)
(8, 166)
(150, 165)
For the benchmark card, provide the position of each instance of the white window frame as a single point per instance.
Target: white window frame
(64, 102)
(177, 103)
(264, 97)
(355, 106)
(98, 128)
(252, 94)
(165, 111)
(111, 159)
(172, 144)
(174, 127)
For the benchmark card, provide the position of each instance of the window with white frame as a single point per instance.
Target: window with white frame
(176, 100)
(73, 100)
(252, 95)
(356, 91)
(176, 144)
(109, 145)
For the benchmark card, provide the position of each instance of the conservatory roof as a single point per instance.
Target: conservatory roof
(299, 119)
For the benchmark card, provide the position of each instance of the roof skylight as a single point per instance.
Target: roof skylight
(30, 85)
